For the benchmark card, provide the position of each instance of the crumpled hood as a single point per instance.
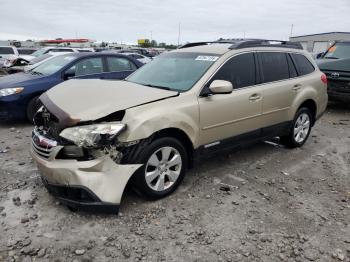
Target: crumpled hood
(82, 100)
(334, 64)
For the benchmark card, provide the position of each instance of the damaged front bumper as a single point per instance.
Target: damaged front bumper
(96, 184)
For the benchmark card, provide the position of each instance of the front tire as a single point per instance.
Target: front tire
(164, 162)
(300, 129)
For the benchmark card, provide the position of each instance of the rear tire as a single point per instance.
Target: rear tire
(33, 106)
(164, 162)
(300, 129)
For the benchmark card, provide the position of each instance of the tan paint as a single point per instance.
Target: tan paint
(90, 99)
(149, 110)
(102, 176)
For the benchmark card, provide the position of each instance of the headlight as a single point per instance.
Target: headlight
(91, 135)
(10, 91)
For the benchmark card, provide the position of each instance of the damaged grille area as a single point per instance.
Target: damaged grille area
(47, 122)
(41, 151)
(49, 127)
(42, 145)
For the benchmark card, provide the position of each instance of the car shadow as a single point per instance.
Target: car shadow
(15, 124)
(338, 106)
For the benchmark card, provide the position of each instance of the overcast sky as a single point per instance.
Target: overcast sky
(126, 21)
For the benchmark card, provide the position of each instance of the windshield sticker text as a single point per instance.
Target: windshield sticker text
(207, 58)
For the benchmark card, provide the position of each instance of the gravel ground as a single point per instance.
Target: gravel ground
(262, 203)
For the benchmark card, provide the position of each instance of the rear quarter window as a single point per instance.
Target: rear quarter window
(303, 65)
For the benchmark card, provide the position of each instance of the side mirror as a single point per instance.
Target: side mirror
(319, 55)
(221, 87)
(69, 73)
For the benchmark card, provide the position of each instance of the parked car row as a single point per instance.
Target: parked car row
(19, 92)
(93, 137)
(13, 60)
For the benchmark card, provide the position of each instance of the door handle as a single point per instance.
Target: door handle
(296, 87)
(254, 97)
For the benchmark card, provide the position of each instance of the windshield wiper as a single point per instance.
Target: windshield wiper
(160, 87)
(331, 57)
(36, 73)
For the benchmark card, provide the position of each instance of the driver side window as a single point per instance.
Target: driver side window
(239, 70)
(86, 66)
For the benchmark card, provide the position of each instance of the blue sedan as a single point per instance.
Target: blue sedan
(19, 92)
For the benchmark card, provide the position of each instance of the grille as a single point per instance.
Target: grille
(341, 86)
(41, 145)
(41, 151)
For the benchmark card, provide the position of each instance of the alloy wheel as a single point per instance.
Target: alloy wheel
(163, 168)
(302, 127)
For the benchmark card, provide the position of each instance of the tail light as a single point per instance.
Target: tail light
(324, 79)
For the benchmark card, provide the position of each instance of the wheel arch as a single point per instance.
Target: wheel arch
(179, 135)
(312, 106)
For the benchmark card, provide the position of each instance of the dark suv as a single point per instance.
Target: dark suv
(335, 63)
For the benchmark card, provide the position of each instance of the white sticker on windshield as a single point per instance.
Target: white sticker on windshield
(207, 58)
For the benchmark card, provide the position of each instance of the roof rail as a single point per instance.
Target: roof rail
(194, 44)
(246, 43)
(265, 43)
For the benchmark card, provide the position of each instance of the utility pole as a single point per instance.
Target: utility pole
(291, 30)
(178, 37)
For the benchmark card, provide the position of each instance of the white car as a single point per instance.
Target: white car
(12, 66)
(141, 58)
(7, 53)
(58, 49)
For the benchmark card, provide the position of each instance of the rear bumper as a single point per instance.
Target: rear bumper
(94, 185)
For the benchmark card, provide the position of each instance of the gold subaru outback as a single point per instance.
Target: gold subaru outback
(93, 137)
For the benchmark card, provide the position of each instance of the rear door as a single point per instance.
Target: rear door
(225, 116)
(279, 87)
(119, 67)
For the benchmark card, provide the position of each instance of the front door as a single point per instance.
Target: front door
(224, 116)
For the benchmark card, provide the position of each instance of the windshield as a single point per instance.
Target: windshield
(39, 52)
(39, 59)
(339, 50)
(174, 71)
(53, 65)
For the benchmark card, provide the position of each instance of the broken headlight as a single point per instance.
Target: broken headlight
(92, 135)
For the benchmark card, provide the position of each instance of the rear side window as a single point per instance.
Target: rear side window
(6, 51)
(118, 64)
(274, 66)
(88, 66)
(239, 70)
(302, 64)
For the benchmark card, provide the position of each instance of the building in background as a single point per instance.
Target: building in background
(317, 43)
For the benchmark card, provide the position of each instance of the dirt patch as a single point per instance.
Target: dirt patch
(261, 203)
